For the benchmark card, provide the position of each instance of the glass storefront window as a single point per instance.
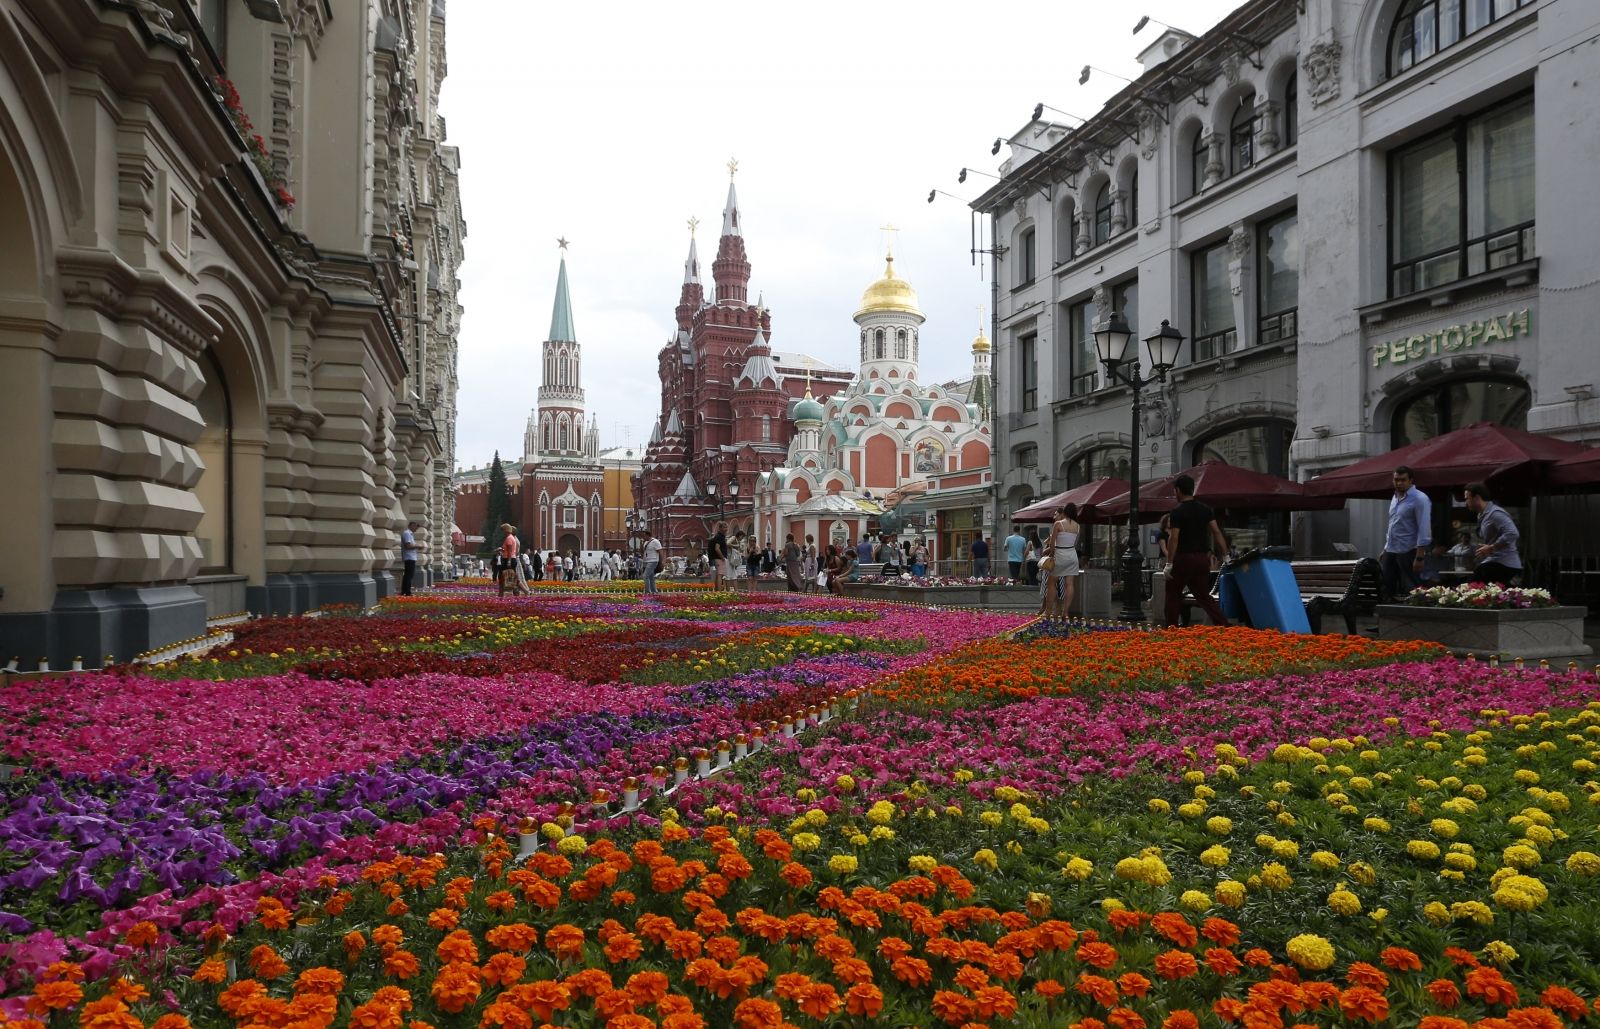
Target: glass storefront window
(1106, 462)
(1278, 277)
(1456, 405)
(1085, 361)
(1212, 298)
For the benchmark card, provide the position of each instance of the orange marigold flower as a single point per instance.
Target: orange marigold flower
(623, 898)
(864, 1000)
(1097, 988)
(443, 919)
(1364, 1003)
(1220, 931)
(336, 904)
(1176, 928)
(56, 996)
(171, 1021)
(951, 1007)
(1097, 954)
(517, 937)
(892, 947)
(1229, 1009)
(456, 987)
(1444, 993)
(504, 969)
(791, 985)
(63, 970)
(143, 934)
(564, 941)
(267, 963)
(995, 1002)
(1182, 1018)
(1442, 1022)
(1534, 1018)
(613, 1003)
(320, 980)
(1464, 958)
(971, 977)
(1362, 974)
(852, 970)
(796, 875)
(647, 987)
(1319, 995)
(1088, 1023)
(457, 946)
(623, 947)
(354, 944)
(544, 998)
(1255, 957)
(820, 1000)
(1176, 964)
(1565, 1001)
(711, 922)
(912, 971)
(1125, 921)
(757, 1013)
(588, 982)
(1049, 989)
(388, 935)
(1222, 961)
(1125, 1018)
(402, 964)
(505, 1015)
(1491, 987)
(235, 998)
(1133, 984)
(211, 970)
(1400, 960)
(271, 913)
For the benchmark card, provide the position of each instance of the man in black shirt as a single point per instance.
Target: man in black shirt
(1193, 531)
(719, 556)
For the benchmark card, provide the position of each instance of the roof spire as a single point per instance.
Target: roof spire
(691, 266)
(561, 330)
(730, 211)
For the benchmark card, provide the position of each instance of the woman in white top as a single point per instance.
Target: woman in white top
(1063, 548)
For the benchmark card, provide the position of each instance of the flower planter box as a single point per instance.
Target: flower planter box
(1007, 598)
(1540, 632)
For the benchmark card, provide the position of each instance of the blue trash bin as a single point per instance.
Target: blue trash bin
(1265, 583)
(1228, 597)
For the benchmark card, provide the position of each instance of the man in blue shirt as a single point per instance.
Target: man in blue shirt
(1016, 550)
(980, 558)
(1410, 534)
(864, 550)
(1497, 557)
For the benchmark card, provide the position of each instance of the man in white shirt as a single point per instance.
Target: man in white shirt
(410, 549)
(652, 560)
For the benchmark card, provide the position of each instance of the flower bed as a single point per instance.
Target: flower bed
(1071, 826)
(1480, 596)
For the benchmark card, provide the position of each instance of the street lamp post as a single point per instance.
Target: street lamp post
(1114, 344)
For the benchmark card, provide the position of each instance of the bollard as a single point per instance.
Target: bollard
(724, 755)
(527, 839)
(630, 794)
(702, 763)
(741, 747)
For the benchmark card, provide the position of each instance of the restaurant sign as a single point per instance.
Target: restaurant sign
(1453, 338)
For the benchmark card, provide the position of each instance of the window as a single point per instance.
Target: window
(1028, 355)
(900, 348)
(1066, 231)
(877, 345)
(1102, 214)
(1105, 462)
(1133, 199)
(547, 434)
(863, 344)
(1028, 456)
(766, 428)
(561, 434)
(1125, 301)
(214, 23)
(1278, 278)
(1027, 266)
(1214, 331)
(1291, 109)
(569, 518)
(1462, 200)
(1446, 408)
(1424, 27)
(1242, 136)
(1085, 361)
(1199, 157)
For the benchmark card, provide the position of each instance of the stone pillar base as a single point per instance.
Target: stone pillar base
(388, 583)
(91, 624)
(344, 588)
(290, 594)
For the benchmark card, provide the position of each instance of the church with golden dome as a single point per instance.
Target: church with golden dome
(887, 439)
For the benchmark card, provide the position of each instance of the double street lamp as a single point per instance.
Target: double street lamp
(1114, 344)
(718, 495)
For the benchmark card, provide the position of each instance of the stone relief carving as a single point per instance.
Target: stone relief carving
(1152, 226)
(157, 17)
(1020, 206)
(1321, 65)
(1239, 243)
(1102, 304)
(1230, 69)
(1149, 132)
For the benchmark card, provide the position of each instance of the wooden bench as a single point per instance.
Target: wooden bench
(1349, 587)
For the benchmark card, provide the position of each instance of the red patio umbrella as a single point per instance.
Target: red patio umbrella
(1089, 494)
(1581, 469)
(1223, 486)
(1484, 451)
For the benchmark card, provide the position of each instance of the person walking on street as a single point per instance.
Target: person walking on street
(1061, 583)
(980, 557)
(864, 550)
(1410, 534)
(791, 563)
(410, 549)
(1497, 557)
(1193, 533)
(1030, 560)
(719, 556)
(652, 560)
(919, 560)
(808, 562)
(510, 566)
(1016, 554)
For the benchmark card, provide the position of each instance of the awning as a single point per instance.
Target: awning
(1090, 494)
(1581, 469)
(1222, 486)
(1508, 459)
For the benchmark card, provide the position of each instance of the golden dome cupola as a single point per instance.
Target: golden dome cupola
(890, 294)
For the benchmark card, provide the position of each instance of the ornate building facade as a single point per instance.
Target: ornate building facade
(227, 352)
(885, 436)
(725, 400)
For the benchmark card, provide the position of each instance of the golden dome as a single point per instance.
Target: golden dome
(890, 293)
(981, 345)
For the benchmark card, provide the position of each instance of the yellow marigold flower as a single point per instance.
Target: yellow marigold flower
(1584, 863)
(847, 783)
(1286, 850)
(1472, 910)
(1215, 856)
(816, 817)
(1007, 794)
(1159, 806)
(963, 775)
(882, 813)
(1286, 819)
(1130, 868)
(1423, 850)
(1204, 792)
(1286, 753)
(1230, 893)
(1370, 755)
(1227, 772)
(1193, 809)
(922, 863)
(1111, 904)
(1156, 872)
(1378, 914)
(882, 832)
(1360, 783)
(1037, 825)
(552, 831)
(1281, 787)
(1500, 952)
(842, 864)
(805, 841)
(1194, 900)
(1276, 877)
(1217, 825)
(805, 795)
(1225, 751)
(1377, 825)
(1459, 806)
(1078, 869)
(1324, 860)
(1444, 828)
(986, 858)
(1520, 855)
(1539, 836)
(991, 818)
(952, 811)
(572, 845)
(1343, 902)
(1436, 913)
(1311, 952)
(1460, 862)
(1520, 893)
(1526, 776)
(859, 840)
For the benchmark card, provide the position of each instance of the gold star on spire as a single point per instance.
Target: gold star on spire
(562, 242)
(733, 167)
(693, 224)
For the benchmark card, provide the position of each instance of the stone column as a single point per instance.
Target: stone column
(343, 528)
(1119, 211)
(1268, 135)
(289, 507)
(1240, 279)
(27, 576)
(1085, 232)
(1216, 169)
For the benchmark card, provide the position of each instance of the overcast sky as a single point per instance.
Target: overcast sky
(612, 124)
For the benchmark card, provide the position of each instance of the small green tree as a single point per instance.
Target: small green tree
(498, 509)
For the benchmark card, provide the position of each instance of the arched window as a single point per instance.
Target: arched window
(1291, 109)
(1066, 230)
(901, 349)
(577, 436)
(547, 432)
(1102, 214)
(1027, 258)
(863, 344)
(1132, 189)
(1100, 463)
(1242, 136)
(1261, 446)
(1424, 27)
(877, 345)
(1445, 408)
(214, 534)
(561, 435)
(1199, 157)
